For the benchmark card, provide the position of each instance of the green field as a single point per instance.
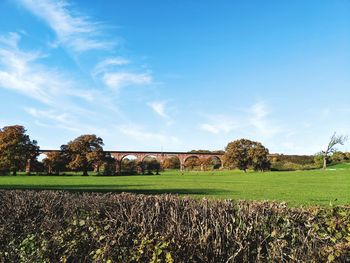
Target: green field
(296, 188)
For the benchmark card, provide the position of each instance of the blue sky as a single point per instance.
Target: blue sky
(177, 75)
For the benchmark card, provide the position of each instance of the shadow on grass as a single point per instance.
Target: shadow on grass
(117, 189)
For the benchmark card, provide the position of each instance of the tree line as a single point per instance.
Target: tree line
(85, 153)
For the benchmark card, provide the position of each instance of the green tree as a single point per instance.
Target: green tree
(55, 162)
(108, 165)
(150, 165)
(244, 154)
(83, 152)
(16, 149)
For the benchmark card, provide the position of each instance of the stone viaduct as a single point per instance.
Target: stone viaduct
(160, 156)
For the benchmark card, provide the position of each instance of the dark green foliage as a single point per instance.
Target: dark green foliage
(151, 166)
(108, 165)
(70, 227)
(84, 152)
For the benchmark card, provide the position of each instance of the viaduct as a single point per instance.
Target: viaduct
(160, 156)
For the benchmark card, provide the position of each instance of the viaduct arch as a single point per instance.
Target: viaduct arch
(160, 156)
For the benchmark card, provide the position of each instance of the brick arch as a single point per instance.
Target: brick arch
(140, 155)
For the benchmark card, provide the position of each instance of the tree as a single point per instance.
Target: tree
(243, 154)
(16, 149)
(108, 165)
(259, 157)
(130, 166)
(150, 165)
(55, 162)
(172, 162)
(83, 152)
(236, 154)
(205, 162)
(334, 140)
(192, 162)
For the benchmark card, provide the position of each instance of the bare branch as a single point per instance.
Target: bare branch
(334, 140)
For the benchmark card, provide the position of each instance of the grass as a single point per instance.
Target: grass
(316, 187)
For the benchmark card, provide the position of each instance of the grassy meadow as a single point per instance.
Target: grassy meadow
(315, 187)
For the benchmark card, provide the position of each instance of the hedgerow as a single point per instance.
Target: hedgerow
(57, 226)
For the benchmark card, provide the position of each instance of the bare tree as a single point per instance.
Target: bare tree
(335, 139)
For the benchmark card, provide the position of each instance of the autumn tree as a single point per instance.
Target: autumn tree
(16, 149)
(55, 162)
(192, 162)
(83, 152)
(334, 140)
(205, 163)
(259, 157)
(172, 162)
(244, 154)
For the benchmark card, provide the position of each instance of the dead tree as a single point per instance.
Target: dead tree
(335, 139)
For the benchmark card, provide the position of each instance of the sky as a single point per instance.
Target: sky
(177, 75)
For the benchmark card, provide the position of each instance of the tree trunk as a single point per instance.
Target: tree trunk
(85, 173)
(324, 162)
(14, 172)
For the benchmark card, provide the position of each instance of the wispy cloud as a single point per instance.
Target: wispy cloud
(107, 64)
(140, 134)
(259, 120)
(118, 80)
(60, 119)
(159, 108)
(254, 120)
(219, 124)
(73, 30)
(20, 71)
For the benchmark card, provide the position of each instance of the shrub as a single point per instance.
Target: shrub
(50, 226)
(295, 162)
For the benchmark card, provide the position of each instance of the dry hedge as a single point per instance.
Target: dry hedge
(56, 226)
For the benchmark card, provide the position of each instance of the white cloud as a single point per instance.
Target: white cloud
(48, 114)
(139, 134)
(10, 40)
(159, 108)
(104, 65)
(253, 122)
(75, 31)
(210, 128)
(117, 80)
(21, 72)
(219, 124)
(258, 119)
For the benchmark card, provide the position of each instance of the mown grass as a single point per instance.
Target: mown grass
(316, 187)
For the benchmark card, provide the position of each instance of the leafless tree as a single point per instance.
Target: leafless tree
(335, 139)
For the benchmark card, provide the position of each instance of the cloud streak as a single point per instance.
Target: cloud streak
(118, 80)
(140, 134)
(219, 124)
(75, 31)
(255, 120)
(159, 108)
(21, 72)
